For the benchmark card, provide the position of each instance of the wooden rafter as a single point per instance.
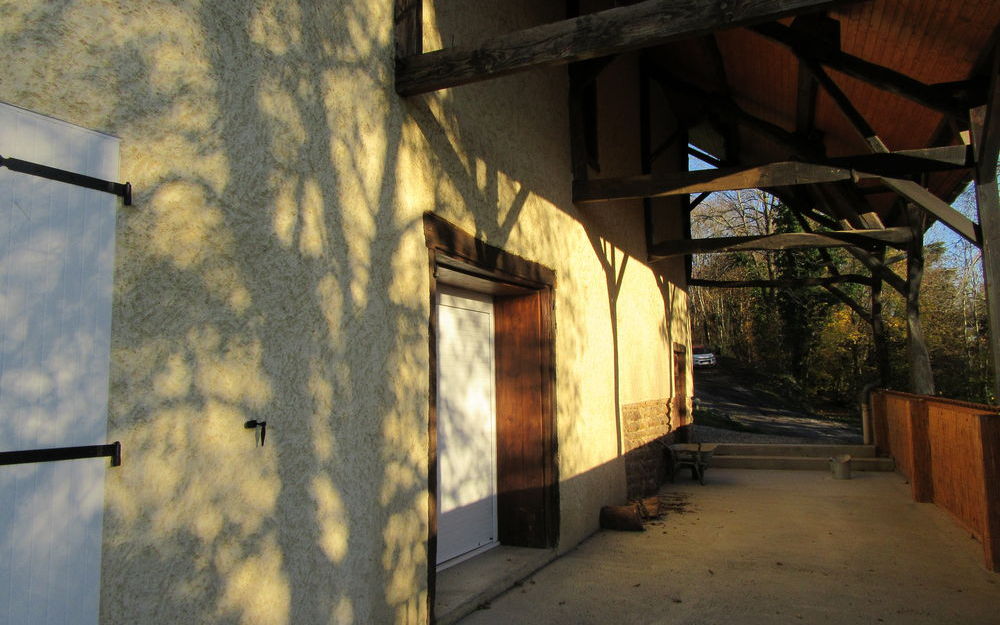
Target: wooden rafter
(781, 241)
(613, 31)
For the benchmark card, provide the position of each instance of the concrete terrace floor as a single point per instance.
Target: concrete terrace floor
(768, 547)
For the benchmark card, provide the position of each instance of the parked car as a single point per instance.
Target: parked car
(703, 357)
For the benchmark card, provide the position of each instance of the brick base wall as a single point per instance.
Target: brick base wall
(647, 426)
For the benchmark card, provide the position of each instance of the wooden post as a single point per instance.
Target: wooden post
(879, 422)
(921, 377)
(922, 480)
(409, 28)
(985, 126)
(989, 427)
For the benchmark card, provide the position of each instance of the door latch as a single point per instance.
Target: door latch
(260, 428)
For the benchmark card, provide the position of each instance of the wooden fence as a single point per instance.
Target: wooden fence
(950, 452)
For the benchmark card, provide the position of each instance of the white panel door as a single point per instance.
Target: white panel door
(56, 261)
(467, 514)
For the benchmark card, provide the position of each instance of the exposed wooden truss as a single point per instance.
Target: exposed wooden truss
(613, 31)
(788, 173)
(912, 191)
(781, 241)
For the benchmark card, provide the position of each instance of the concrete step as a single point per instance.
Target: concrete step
(799, 451)
(794, 463)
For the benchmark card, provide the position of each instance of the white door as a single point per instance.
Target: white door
(56, 261)
(467, 513)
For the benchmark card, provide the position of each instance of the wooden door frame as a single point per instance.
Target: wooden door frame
(460, 259)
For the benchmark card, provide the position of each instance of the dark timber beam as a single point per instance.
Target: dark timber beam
(781, 241)
(409, 29)
(613, 31)
(781, 174)
(939, 99)
(729, 179)
(934, 205)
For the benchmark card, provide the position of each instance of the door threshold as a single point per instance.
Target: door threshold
(461, 589)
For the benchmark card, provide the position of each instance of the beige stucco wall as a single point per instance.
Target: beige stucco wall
(273, 267)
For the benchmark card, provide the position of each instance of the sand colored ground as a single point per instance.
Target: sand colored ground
(768, 547)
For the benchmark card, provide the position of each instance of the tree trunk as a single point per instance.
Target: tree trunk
(921, 377)
(879, 337)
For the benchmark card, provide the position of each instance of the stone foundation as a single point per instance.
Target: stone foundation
(648, 427)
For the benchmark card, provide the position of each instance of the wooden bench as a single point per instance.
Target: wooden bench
(695, 456)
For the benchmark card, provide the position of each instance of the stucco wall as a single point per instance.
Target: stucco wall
(273, 267)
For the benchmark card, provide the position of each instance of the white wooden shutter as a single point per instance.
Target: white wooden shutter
(56, 264)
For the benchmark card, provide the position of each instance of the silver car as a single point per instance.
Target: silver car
(703, 357)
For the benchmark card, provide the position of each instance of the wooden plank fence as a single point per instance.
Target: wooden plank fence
(950, 452)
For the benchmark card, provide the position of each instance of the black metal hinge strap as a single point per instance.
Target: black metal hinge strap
(61, 175)
(114, 451)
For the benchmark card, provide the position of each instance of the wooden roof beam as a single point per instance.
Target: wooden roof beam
(613, 31)
(951, 101)
(780, 174)
(684, 183)
(782, 241)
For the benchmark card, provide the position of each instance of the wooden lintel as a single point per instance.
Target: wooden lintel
(781, 241)
(882, 77)
(612, 31)
(789, 283)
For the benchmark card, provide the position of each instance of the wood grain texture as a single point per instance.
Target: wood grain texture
(871, 73)
(957, 458)
(898, 435)
(613, 31)
(521, 439)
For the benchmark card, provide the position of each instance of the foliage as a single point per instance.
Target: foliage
(810, 334)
